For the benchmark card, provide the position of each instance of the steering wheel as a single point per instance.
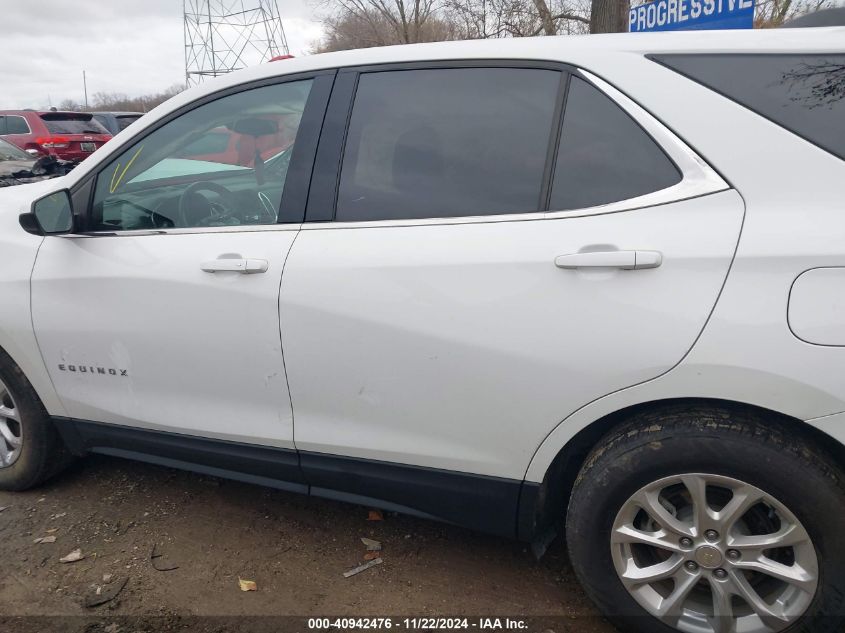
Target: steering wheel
(197, 210)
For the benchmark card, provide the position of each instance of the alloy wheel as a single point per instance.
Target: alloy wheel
(711, 554)
(11, 438)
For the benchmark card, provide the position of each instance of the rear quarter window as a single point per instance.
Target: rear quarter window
(804, 93)
(604, 155)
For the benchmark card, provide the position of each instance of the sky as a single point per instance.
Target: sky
(134, 47)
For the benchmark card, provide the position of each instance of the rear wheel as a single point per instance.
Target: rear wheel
(708, 521)
(30, 448)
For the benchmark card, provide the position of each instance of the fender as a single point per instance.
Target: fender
(20, 250)
(779, 394)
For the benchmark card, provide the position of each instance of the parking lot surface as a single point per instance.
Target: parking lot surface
(208, 533)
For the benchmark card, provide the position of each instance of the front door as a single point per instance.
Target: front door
(163, 315)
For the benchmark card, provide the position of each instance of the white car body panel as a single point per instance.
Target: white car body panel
(459, 346)
(141, 303)
(747, 352)
(18, 250)
(817, 306)
(744, 351)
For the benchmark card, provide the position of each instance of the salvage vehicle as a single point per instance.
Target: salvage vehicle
(116, 122)
(69, 136)
(591, 284)
(18, 168)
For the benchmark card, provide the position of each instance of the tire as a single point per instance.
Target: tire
(804, 491)
(41, 452)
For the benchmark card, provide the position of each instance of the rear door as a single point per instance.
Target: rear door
(481, 270)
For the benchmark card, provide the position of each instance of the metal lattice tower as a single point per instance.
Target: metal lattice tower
(225, 35)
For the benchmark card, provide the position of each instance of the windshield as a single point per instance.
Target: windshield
(72, 123)
(10, 152)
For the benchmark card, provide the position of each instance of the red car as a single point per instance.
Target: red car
(70, 136)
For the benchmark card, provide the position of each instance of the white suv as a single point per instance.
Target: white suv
(587, 283)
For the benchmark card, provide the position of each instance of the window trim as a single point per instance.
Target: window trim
(242, 228)
(697, 177)
(291, 210)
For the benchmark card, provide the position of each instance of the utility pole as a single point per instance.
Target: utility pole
(85, 87)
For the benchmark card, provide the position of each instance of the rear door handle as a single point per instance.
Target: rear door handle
(627, 260)
(235, 265)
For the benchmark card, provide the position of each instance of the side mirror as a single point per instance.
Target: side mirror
(50, 215)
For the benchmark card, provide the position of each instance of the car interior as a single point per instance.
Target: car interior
(167, 180)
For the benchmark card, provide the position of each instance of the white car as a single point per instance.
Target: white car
(592, 284)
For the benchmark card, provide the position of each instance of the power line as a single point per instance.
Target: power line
(226, 35)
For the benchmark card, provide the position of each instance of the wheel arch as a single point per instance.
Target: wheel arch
(32, 367)
(543, 505)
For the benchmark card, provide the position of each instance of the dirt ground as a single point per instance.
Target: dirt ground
(217, 531)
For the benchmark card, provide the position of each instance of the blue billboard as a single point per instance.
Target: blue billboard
(683, 15)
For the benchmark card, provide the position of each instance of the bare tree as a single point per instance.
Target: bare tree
(102, 101)
(364, 23)
(818, 83)
(551, 21)
(517, 18)
(362, 29)
(117, 102)
(773, 13)
(69, 105)
(380, 22)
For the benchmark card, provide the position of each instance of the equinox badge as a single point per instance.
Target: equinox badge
(87, 369)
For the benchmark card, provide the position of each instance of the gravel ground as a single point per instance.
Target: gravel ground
(295, 549)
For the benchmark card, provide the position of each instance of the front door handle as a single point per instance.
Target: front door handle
(627, 260)
(235, 265)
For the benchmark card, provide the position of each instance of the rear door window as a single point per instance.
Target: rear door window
(604, 155)
(804, 93)
(447, 142)
(68, 123)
